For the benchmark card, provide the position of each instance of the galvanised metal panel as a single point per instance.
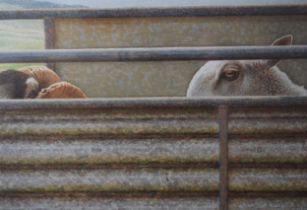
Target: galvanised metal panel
(94, 202)
(282, 203)
(153, 153)
(104, 150)
(128, 179)
(98, 150)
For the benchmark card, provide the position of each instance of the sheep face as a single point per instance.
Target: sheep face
(17, 85)
(246, 77)
(243, 77)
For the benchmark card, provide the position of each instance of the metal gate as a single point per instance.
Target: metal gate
(154, 153)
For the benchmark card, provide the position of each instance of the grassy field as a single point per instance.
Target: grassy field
(20, 35)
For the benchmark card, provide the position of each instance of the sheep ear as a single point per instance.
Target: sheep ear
(282, 41)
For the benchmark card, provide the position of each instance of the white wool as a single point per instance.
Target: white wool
(257, 79)
(250, 77)
(32, 83)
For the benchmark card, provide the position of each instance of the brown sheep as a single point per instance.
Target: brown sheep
(36, 82)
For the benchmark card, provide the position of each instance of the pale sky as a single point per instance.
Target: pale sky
(131, 3)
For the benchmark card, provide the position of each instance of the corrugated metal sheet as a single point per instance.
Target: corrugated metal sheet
(152, 154)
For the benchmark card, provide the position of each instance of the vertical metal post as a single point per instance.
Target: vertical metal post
(50, 38)
(223, 137)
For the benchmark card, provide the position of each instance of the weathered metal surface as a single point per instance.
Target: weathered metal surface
(156, 153)
(223, 159)
(163, 32)
(268, 121)
(49, 28)
(156, 12)
(109, 127)
(148, 179)
(47, 150)
(93, 202)
(176, 105)
(106, 121)
(148, 165)
(277, 203)
(113, 180)
(167, 78)
(278, 150)
(156, 54)
(268, 180)
(108, 151)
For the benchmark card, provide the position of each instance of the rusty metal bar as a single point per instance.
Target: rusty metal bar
(49, 33)
(269, 10)
(223, 138)
(50, 38)
(156, 54)
(174, 102)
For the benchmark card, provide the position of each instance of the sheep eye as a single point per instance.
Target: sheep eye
(231, 73)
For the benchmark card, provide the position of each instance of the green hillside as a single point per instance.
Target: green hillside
(22, 34)
(34, 4)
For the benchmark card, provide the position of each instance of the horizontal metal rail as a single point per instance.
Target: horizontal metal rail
(269, 10)
(95, 200)
(175, 102)
(156, 54)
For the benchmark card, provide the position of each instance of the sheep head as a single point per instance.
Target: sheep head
(36, 82)
(243, 77)
(16, 84)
